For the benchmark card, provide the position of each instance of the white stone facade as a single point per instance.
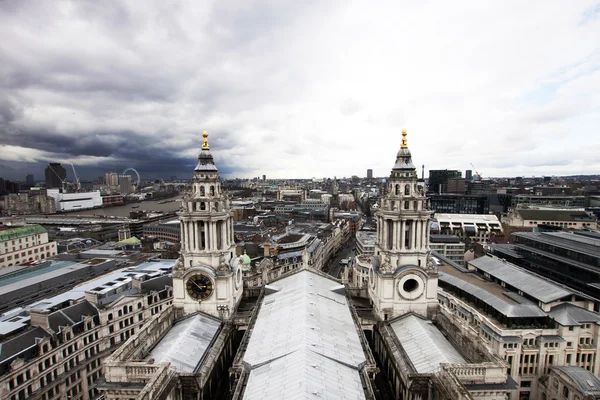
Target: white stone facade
(25, 244)
(207, 245)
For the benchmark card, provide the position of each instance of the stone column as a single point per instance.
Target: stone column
(394, 235)
(206, 236)
(213, 229)
(198, 236)
(402, 234)
(183, 238)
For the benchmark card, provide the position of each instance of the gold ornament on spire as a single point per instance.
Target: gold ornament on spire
(205, 140)
(404, 142)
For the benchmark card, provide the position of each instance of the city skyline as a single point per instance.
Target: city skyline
(299, 91)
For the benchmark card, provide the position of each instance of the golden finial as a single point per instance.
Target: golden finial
(205, 140)
(404, 142)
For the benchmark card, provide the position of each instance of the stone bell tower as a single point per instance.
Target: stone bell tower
(207, 277)
(402, 276)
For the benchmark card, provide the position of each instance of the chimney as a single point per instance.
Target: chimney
(40, 318)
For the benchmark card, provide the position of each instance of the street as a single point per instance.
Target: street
(333, 267)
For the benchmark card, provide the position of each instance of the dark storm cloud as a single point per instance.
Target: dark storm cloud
(9, 111)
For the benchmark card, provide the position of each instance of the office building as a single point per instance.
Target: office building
(531, 218)
(75, 201)
(571, 258)
(468, 175)
(56, 175)
(24, 244)
(369, 174)
(519, 200)
(365, 242)
(125, 184)
(56, 347)
(449, 246)
(458, 204)
(29, 181)
(112, 179)
(438, 180)
(472, 227)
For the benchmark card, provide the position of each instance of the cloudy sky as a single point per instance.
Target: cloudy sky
(299, 88)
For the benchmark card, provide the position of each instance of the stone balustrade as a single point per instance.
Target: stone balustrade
(488, 373)
(157, 384)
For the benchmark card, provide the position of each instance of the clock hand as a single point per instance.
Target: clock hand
(198, 286)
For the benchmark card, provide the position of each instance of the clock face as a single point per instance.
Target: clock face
(199, 287)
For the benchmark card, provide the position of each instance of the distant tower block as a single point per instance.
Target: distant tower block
(369, 174)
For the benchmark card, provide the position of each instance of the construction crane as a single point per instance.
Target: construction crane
(77, 183)
(62, 181)
(476, 173)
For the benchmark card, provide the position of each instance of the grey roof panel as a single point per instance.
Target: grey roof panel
(186, 342)
(509, 310)
(571, 315)
(18, 344)
(521, 279)
(578, 243)
(424, 344)
(304, 341)
(584, 380)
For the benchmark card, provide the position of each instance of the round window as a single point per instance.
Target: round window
(410, 285)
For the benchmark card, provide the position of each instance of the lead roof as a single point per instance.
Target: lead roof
(304, 343)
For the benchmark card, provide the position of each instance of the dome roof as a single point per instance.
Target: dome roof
(404, 158)
(245, 259)
(205, 159)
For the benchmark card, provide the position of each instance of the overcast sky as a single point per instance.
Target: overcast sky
(300, 88)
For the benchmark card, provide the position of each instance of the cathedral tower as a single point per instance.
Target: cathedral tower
(402, 277)
(206, 277)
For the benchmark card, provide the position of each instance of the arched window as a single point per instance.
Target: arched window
(216, 206)
(397, 189)
(406, 189)
(110, 317)
(212, 190)
(202, 191)
(203, 206)
(406, 205)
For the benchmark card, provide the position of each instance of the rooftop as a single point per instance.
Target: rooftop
(469, 218)
(21, 231)
(304, 342)
(186, 343)
(530, 284)
(424, 344)
(586, 382)
(554, 215)
(570, 241)
(571, 315)
(489, 293)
